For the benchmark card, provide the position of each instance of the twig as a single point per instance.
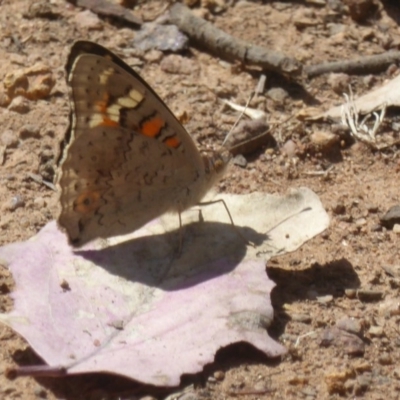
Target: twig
(229, 47)
(108, 9)
(362, 65)
(318, 173)
(39, 179)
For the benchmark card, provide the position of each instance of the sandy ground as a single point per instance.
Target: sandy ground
(316, 285)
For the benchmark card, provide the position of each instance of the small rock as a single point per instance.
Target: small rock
(219, 375)
(175, 64)
(298, 380)
(369, 295)
(323, 139)
(350, 325)
(339, 208)
(363, 383)
(396, 228)
(153, 56)
(396, 373)
(304, 318)
(278, 95)
(372, 209)
(20, 105)
(376, 331)
(16, 83)
(289, 148)
(349, 385)
(16, 201)
(9, 138)
(304, 18)
(325, 299)
(392, 270)
(40, 86)
(334, 29)
(154, 36)
(339, 83)
(360, 10)
(42, 9)
(362, 366)
(350, 293)
(390, 307)
(148, 398)
(335, 380)
(349, 343)
(4, 99)
(39, 203)
(360, 222)
(29, 131)
(89, 20)
(385, 359)
(240, 161)
(249, 136)
(391, 217)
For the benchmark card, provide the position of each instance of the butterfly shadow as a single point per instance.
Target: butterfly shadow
(209, 249)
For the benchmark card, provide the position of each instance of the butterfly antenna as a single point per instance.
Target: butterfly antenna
(259, 89)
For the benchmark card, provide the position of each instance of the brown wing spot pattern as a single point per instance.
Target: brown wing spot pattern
(152, 127)
(101, 107)
(87, 202)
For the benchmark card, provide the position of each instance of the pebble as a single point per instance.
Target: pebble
(339, 83)
(360, 10)
(350, 293)
(240, 161)
(89, 20)
(325, 299)
(396, 373)
(350, 325)
(304, 318)
(391, 217)
(323, 139)
(20, 105)
(15, 202)
(335, 380)
(39, 203)
(385, 359)
(278, 95)
(29, 131)
(219, 375)
(153, 36)
(390, 307)
(9, 138)
(339, 208)
(376, 331)
(367, 295)
(289, 148)
(396, 228)
(363, 383)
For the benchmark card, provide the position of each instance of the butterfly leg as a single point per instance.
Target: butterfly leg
(207, 203)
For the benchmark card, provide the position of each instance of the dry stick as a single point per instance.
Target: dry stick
(362, 65)
(229, 47)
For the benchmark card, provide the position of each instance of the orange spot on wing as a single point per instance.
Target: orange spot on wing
(173, 142)
(152, 127)
(87, 202)
(102, 104)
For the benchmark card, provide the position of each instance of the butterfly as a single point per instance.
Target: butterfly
(125, 159)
